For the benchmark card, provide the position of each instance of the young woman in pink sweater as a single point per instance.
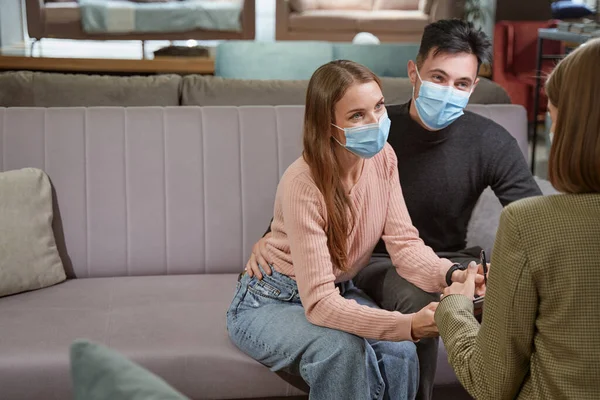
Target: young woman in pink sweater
(332, 206)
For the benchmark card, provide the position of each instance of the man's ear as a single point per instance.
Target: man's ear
(412, 71)
(474, 84)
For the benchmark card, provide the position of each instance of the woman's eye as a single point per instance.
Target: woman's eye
(356, 116)
(378, 106)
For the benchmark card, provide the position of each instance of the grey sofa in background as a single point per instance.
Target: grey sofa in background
(43, 89)
(156, 212)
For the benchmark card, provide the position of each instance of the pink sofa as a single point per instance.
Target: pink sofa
(156, 212)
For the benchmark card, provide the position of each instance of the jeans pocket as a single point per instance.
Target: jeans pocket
(272, 288)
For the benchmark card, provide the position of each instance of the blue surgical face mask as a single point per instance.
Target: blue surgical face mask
(438, 106)
(366, 140)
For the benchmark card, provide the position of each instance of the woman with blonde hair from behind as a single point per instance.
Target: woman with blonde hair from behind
(539, 338)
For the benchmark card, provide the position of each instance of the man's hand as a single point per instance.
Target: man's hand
(468, 284)
(423, 324)
(258, 257)
(461, 276)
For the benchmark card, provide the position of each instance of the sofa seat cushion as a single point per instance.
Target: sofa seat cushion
(393, 21)
(63, 13)
(172, 325)
(331, 20)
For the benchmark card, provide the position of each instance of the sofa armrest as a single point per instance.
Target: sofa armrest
(282, 17)
(36, 18)
(444, 9)
(485, 217)
(249, 19)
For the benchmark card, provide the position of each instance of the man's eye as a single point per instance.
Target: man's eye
(437, 77)
(463, 85)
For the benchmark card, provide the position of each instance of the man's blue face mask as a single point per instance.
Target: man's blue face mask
(438, 106)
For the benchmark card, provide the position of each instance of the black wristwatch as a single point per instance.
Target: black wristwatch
(454, 267)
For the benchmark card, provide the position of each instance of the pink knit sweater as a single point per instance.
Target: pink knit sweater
(298, 247)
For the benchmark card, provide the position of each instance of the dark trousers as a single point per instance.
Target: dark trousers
(380, 281)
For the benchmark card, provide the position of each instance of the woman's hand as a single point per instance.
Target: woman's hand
(461, 276)
(467, 283)
(258, 257)
(423, 324)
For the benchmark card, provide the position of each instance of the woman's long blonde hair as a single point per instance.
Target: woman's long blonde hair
(326, 87)
(574, 89)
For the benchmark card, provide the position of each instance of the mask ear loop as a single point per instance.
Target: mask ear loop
(334, 138)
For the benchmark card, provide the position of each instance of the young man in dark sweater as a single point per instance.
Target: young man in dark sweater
(446, 158)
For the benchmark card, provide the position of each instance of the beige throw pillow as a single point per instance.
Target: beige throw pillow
(29, 258)
(366, 5)
(303, 5)
(306, 5)
(396, 5)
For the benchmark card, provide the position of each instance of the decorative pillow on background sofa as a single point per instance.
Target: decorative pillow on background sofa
(29, 257)
(396, 5)
(305, 5)
(345, 4)
(99, 373)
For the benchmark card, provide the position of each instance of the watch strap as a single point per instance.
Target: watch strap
(454, 267)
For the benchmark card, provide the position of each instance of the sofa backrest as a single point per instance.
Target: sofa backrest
(203, 91)
(41, 89)
(176, 190)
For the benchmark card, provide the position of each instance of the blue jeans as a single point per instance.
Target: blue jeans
(266, 320)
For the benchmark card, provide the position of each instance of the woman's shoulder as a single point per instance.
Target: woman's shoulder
(532, 205)
(385, 161)
(298, 173)
(551, 208)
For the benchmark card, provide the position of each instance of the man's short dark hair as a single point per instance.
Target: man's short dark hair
(454, 36)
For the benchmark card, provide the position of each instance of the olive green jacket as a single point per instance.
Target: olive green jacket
(540, 335)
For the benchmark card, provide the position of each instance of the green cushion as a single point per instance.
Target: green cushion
(263, 60)
(298, 60)
(99, 373)
(385, 59)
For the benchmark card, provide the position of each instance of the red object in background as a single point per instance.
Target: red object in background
(514, 62)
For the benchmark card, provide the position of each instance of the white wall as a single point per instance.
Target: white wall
(11, 22)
